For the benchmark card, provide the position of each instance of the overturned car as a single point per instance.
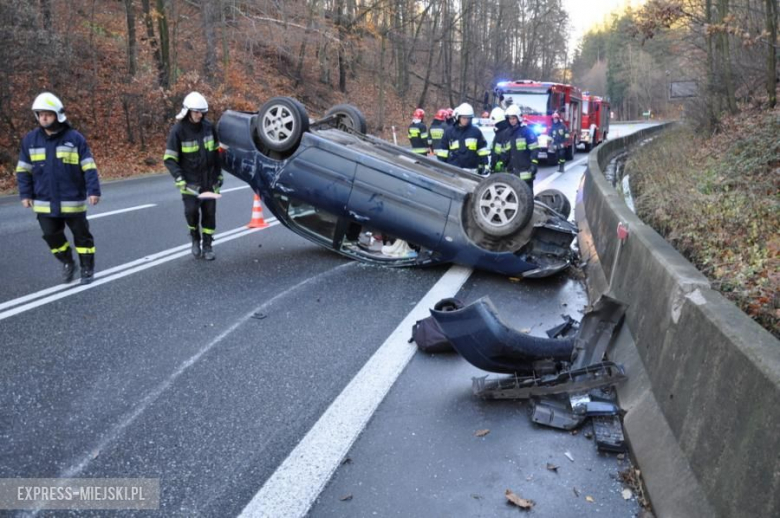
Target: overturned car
(331, 183)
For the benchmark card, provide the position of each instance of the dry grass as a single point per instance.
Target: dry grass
(717, 201)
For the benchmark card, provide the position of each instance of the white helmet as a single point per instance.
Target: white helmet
(48, 102)
(497, 115)
(513, 111)
(464, 110)
(195, 102)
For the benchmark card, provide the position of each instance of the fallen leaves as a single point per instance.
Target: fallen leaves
(568, 456)
(522, 503)
(552, 467)
(590, 499)
(481, 433)
(346, 498)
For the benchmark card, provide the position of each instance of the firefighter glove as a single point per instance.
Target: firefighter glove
(180, 183)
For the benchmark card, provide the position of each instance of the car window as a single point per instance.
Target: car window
(315, 221)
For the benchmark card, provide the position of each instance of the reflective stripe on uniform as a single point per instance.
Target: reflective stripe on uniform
(82, 250)
(424, 136)
(520, 145)
(471, 144)
(192, 228)
(63, 248)
(41, 207)
(209, 144)
(483, 152)
(208, 231)
(443, 153)
(190, 146)
(437, 133)
(420, 150)
(87, 164)
(68, 155)
(535, 145)
(455, 144)
(37, 154)
(23, 167)
(414, 132)
(173, 155)
(525, 175)
(70, 207)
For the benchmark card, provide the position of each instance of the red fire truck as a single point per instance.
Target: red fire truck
(538, 101)
(595, 120)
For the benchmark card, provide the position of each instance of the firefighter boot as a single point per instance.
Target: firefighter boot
(195, 235)
(560, 167)
(68, 265)
(87, 267)
(208, 253)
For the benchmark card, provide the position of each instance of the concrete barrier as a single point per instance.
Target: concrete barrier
(703, 394)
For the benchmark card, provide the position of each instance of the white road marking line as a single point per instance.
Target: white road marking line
(109, 271)
(223, 191)
(539, 187)
(298, 481)
(120, 211)
(146, 264)
(150, 398)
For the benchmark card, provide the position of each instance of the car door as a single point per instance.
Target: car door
(319, 175)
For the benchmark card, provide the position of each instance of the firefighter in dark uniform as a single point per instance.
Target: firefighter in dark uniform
(418, 133)
(192, 158)
(560, 136)
(522, 147)
(57, 176)
(438, 127)
(464, 145)
(500, 125)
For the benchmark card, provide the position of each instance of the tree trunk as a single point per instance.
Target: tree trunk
(382, 82)
(225, 42)
(165, 59)
(342, 42)
(46, 14)
(771, 59)
(131, 40)
(725, 59)
(210, 60)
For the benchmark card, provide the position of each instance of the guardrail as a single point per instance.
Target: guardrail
(703, 394)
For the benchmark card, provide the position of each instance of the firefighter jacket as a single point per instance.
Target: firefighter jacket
(57, 172)
(521, 151)
(436, 133)
(192, 154)
(464, 146)
(497, 152)
(559, 133)
(418, 137)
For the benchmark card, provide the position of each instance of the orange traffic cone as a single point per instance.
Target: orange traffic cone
(257, 214)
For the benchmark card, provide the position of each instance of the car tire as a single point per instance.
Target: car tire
(556, 200)
(280, 124)
(349, 118)
(501, 205)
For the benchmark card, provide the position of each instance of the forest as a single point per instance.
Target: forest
(122, 67)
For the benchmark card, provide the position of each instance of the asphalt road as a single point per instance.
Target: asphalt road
(208, 375)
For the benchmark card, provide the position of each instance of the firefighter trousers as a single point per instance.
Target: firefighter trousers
(203, 212)
(54, 233)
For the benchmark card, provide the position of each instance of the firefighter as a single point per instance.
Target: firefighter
(57, 176)
(497, 158)
(192, 159)
(438, 127)
(464, 145)
(560, 136)
(450, 117)
(521, 148)
(418, 133)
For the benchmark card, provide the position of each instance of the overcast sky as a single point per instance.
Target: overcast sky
(586, 13)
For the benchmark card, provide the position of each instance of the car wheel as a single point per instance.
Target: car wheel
(348, 117)
(556, 200)
(281, 122)
(502, 204)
